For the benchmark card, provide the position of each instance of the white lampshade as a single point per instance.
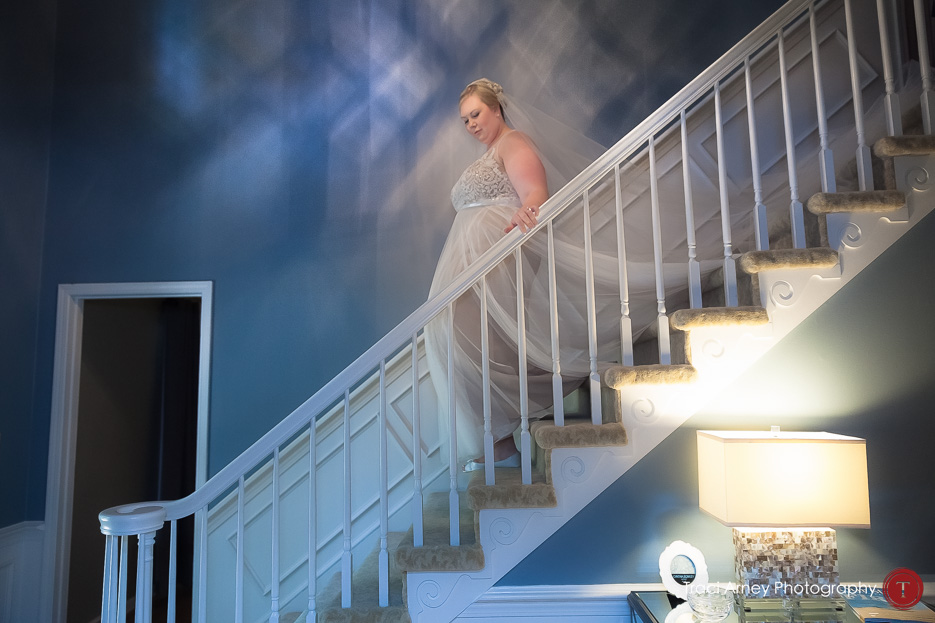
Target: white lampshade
(764, 479)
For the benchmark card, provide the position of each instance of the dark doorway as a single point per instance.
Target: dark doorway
(137, 429)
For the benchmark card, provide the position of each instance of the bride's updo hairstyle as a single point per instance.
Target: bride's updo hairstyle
(488, 91)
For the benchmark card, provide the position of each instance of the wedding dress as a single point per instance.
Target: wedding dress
(484, 200)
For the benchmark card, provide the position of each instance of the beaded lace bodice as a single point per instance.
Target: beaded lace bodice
(484, 183)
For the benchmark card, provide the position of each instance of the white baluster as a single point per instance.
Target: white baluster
(524, 439)
(124, 580)
(274, 586)
(594, 378)
(201, 517)
(826, 159)
(454, 528)
(730, 270)
(489, 477)
(665, 354)
(417, 525)
(383, 562)
(239, 563)
(558, 405)
(894, 124)
(796, 212)
(347, 567)
(111, 576)
(864, 166)
(694, 268)
(312, 522)
(173, 570)
(760, 226)
(925, 66)
(143, 602)
(626, 324)
(139, 602)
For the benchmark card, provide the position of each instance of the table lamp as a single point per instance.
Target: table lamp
(773, 488)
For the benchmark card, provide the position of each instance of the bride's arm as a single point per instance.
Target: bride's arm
(527, 175)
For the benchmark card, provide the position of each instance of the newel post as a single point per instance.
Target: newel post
(117, 525)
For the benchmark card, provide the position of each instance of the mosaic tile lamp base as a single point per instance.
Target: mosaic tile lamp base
(778, 563)
(781, 482)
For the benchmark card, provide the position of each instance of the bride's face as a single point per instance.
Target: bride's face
(480, 120)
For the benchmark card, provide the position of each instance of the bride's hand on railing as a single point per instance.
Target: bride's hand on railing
(524, 218)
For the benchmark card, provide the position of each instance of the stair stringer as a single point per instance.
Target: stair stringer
(791, 295)
(651, 412)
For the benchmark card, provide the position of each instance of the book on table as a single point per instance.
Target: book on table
(872, 607)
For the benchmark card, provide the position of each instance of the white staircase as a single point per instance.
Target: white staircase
(789, 112)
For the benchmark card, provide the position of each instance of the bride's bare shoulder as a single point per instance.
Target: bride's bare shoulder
(515, 142)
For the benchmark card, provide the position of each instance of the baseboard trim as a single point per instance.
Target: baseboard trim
(20, 571)
(587, 603)
(590, 603)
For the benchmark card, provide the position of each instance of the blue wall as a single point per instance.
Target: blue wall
(285, 149)
(26, 49)
(860, 365)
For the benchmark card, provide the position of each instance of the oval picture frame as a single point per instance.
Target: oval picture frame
(682, 566)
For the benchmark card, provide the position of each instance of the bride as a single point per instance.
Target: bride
(500, 191)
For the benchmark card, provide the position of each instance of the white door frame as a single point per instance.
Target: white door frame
(64, 424)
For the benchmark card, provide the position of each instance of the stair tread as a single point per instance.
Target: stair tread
(911, 145)
(436, 553)
(579, 435)
(440, 557)
(859, 201)
(686, 319)
(369, 614)
(754, 262)
(616, 377)
(510, 492)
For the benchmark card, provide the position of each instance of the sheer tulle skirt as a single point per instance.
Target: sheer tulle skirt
(474, 231)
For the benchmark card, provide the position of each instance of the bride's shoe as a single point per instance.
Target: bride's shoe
(474, 465)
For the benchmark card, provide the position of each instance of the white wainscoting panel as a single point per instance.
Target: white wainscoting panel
(20, 569)
(293, 482)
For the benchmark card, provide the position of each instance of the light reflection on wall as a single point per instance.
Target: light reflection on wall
(383, 75)
(314, 144)
(790, 385)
